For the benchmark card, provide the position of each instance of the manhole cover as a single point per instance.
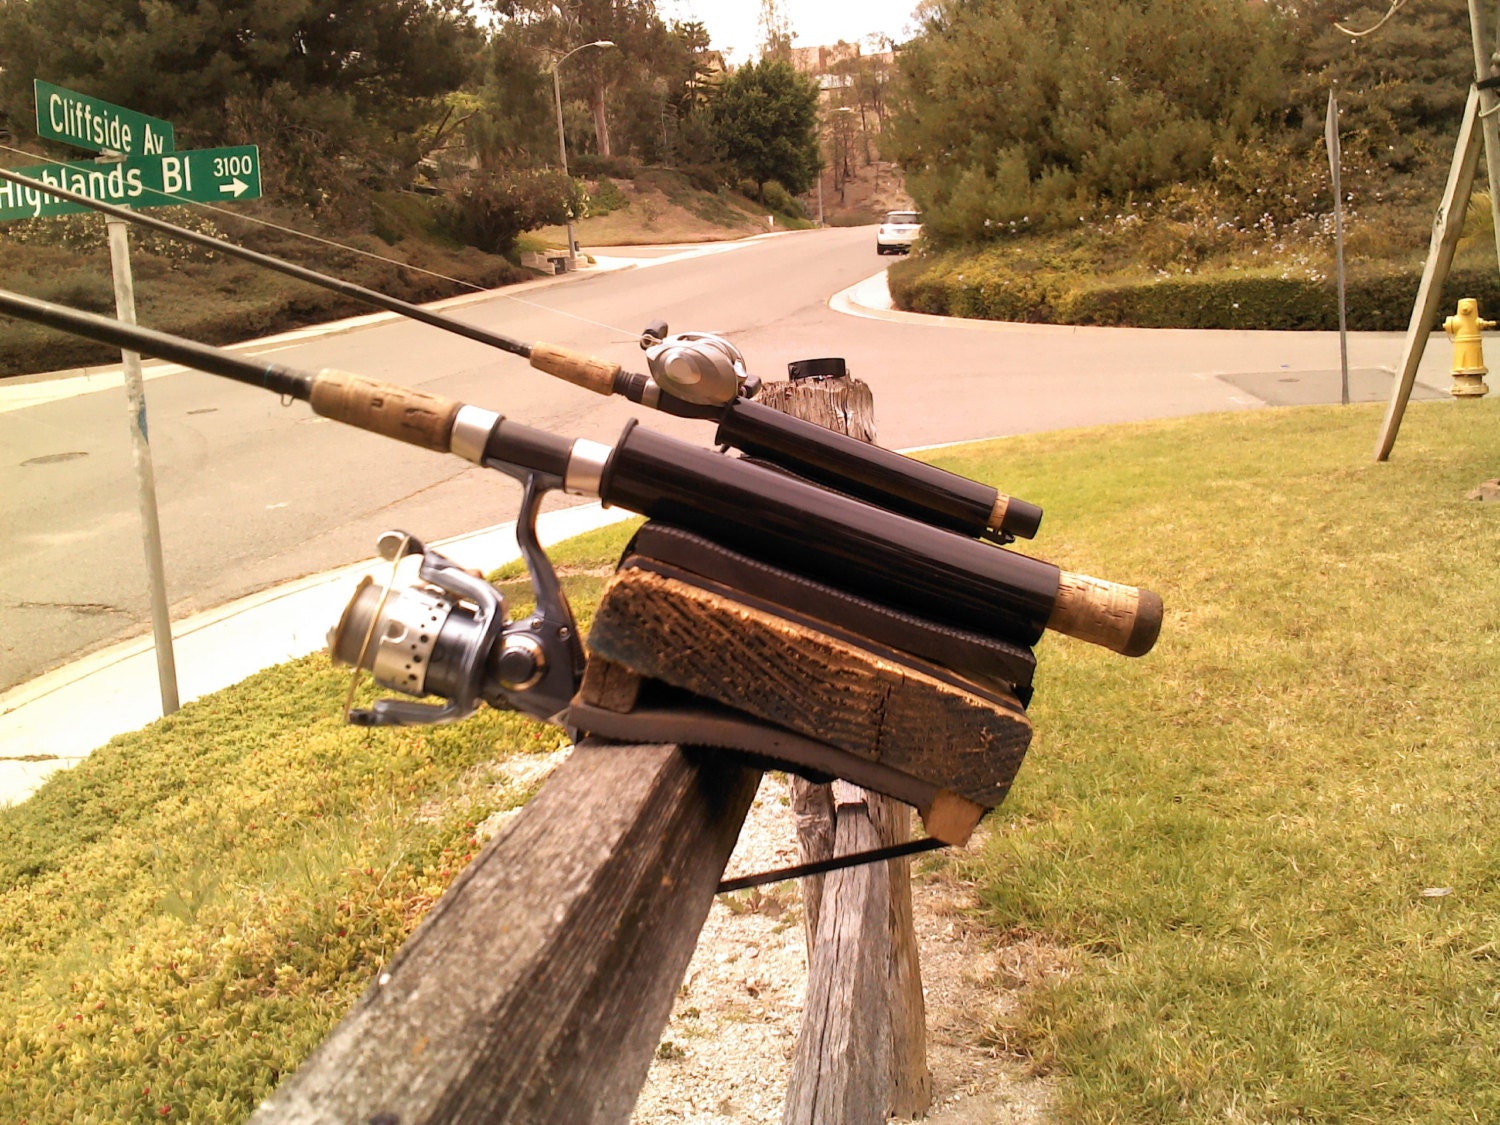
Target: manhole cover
(54, 458)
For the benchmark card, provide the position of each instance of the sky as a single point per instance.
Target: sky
(734, 25)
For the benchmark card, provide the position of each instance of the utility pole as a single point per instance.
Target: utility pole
(562, 141)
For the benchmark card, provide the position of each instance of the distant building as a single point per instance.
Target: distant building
(820, 60)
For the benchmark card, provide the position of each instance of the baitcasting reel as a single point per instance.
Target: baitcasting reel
(446, 634)
(697, 367)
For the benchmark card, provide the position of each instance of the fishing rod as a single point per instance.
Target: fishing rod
(908, 564)
(693, 375)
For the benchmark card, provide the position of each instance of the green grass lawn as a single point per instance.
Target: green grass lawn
(1237, 841)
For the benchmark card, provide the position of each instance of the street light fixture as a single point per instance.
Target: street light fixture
(562, 142)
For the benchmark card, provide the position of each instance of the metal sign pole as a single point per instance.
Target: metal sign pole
(145, 474)
(1335, 161)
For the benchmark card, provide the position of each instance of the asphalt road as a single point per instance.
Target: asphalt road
(253, 493)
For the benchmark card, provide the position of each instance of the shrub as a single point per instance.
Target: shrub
(490, 212)
(591, 166)
(778, 199)
(395, 215)
(93, 292)
(709, 177)
(1379, 298)
(605, 197)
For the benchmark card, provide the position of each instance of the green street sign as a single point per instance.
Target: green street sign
(85, 122)
(205, 175)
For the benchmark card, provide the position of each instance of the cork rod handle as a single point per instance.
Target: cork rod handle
(581, 370)
(1123, 619)
(388, 409)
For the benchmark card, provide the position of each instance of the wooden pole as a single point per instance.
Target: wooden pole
(862, 1048)
(538, 988)
(1489, 106)
(1446, 228)
(844, 1055)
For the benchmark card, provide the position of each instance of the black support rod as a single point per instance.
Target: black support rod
(345, 288)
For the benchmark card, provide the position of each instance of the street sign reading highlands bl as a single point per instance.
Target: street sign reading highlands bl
(85, 122)
(205, 175)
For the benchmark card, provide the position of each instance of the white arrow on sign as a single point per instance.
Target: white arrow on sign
(237, 187)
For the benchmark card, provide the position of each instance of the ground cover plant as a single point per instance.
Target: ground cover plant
(1265, 851)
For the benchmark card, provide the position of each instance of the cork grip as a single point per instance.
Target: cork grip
(581, 370)
(393, 411)
(1124, 619)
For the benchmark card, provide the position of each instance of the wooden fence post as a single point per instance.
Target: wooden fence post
(539, 986)
(870, 999)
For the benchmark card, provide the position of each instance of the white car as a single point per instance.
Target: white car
(898, 232)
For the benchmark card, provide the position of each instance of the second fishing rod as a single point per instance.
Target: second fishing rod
(694, 375)
(810, 530)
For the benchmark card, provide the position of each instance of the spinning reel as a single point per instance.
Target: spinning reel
(446, 633)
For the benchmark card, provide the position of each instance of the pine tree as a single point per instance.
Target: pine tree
(764, 120)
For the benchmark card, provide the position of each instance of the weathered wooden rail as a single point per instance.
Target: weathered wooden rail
(538, 987)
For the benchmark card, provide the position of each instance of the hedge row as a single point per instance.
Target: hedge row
(1377, 299)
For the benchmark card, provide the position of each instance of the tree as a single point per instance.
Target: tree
(865, 79)
(558, 26)
(776, 33)
(1401, 88)
(320, 76)
(637, 90)
(1019, 109)
(515, 125)
(764, 121)
(652, 104)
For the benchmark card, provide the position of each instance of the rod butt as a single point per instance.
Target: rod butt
(1123, 619)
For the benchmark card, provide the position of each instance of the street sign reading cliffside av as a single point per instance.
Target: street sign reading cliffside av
(85, 122)
(205, 175)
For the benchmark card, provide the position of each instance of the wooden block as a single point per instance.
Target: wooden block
(609, 685)
(913, 717)
(951, 819)
(539, 986)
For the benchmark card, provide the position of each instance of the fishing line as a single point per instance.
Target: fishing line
(240, 216)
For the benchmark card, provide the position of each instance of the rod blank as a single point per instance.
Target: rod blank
(302, 273)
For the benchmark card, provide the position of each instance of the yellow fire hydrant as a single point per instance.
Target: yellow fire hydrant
(1468, 350)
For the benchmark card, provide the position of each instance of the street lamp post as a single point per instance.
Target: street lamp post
(562, 142)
